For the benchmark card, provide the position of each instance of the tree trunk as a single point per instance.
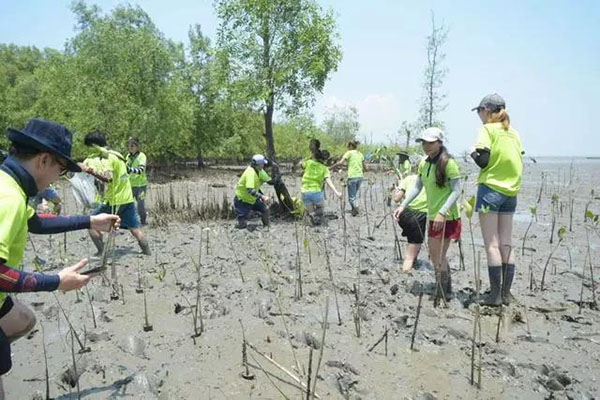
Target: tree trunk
(200, 159)
(283, 196)
(271, 155)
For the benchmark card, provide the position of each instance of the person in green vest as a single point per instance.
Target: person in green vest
(356, 167)
(315, 174)
(118, 197)
(39, 155)
(440, 176)
(413, 220)
(404, 166)
(248, 196)
(136, 168)
(499, 154)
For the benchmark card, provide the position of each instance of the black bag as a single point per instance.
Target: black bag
(5, 360)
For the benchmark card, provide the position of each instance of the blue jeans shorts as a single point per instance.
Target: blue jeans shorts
(309, 198)
(129, 216)
(489, 200)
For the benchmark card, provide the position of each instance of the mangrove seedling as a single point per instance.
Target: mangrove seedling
(562, 231)
(554, 211)
(533, 212)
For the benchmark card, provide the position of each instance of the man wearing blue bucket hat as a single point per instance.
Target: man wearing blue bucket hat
(39, 155)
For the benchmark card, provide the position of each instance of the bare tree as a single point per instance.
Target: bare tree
(433, 101)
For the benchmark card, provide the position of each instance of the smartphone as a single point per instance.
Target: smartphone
(93, 271)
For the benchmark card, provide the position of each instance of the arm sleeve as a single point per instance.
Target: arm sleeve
(481, 157)
(12, 280)
(414, 192)
(454, 195)
(53, 224)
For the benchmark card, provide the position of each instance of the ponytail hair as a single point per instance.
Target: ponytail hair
(500, 116)
(440, 169)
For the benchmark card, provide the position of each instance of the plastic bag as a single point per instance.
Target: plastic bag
(84, 190)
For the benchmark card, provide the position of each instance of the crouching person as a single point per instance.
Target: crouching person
(248, 196)
(315, 174)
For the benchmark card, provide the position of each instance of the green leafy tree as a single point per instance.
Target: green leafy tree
(119, 74)
(279, 53)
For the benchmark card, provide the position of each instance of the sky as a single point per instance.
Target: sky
(542, 56)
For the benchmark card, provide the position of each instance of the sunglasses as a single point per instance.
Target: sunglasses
(63, 167)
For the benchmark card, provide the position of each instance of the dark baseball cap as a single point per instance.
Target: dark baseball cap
(492, 102)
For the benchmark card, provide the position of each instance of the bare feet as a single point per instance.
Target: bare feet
(407, 268)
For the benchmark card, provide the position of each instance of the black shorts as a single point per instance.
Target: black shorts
(413, 224)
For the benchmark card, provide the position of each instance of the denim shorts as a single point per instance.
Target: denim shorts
(129, 216)
(309, 198)
(489, 200)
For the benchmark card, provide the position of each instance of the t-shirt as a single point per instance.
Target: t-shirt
(420, 202)
(355, 163)
(137, 161)
(405, 167)
(437, 196)
(14, 214)
(118, 190)
(505, 168)
(314, 175)
(250, 179)
(263, 176)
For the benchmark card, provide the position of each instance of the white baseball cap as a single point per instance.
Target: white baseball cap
(432, 134)
(259, 159)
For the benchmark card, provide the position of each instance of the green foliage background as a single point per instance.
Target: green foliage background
(119, 74)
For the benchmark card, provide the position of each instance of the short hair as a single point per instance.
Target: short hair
(23, 152)
(95, 138)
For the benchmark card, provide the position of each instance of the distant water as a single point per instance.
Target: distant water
(563, 160)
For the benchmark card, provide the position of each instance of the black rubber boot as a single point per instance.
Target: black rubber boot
(264, 217)
(494, 298)
(447, 280)
(508, 274)
(318, 215)
(354, 210)
(241, 224)
(145, 247)
(99, 245)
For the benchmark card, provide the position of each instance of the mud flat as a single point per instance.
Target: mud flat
(547, 345)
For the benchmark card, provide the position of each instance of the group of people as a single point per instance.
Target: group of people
(432, 193)
(249, 197)
(428, 195)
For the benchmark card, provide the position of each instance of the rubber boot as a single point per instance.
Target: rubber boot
(265, 218)
(354, 210)
(145, 247)
(97, 240)
(241, 224)
(508, 273)
(318, 216)
(447, 280)
(494, 298)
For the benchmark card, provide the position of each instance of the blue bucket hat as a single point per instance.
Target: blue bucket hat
(46, 136)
